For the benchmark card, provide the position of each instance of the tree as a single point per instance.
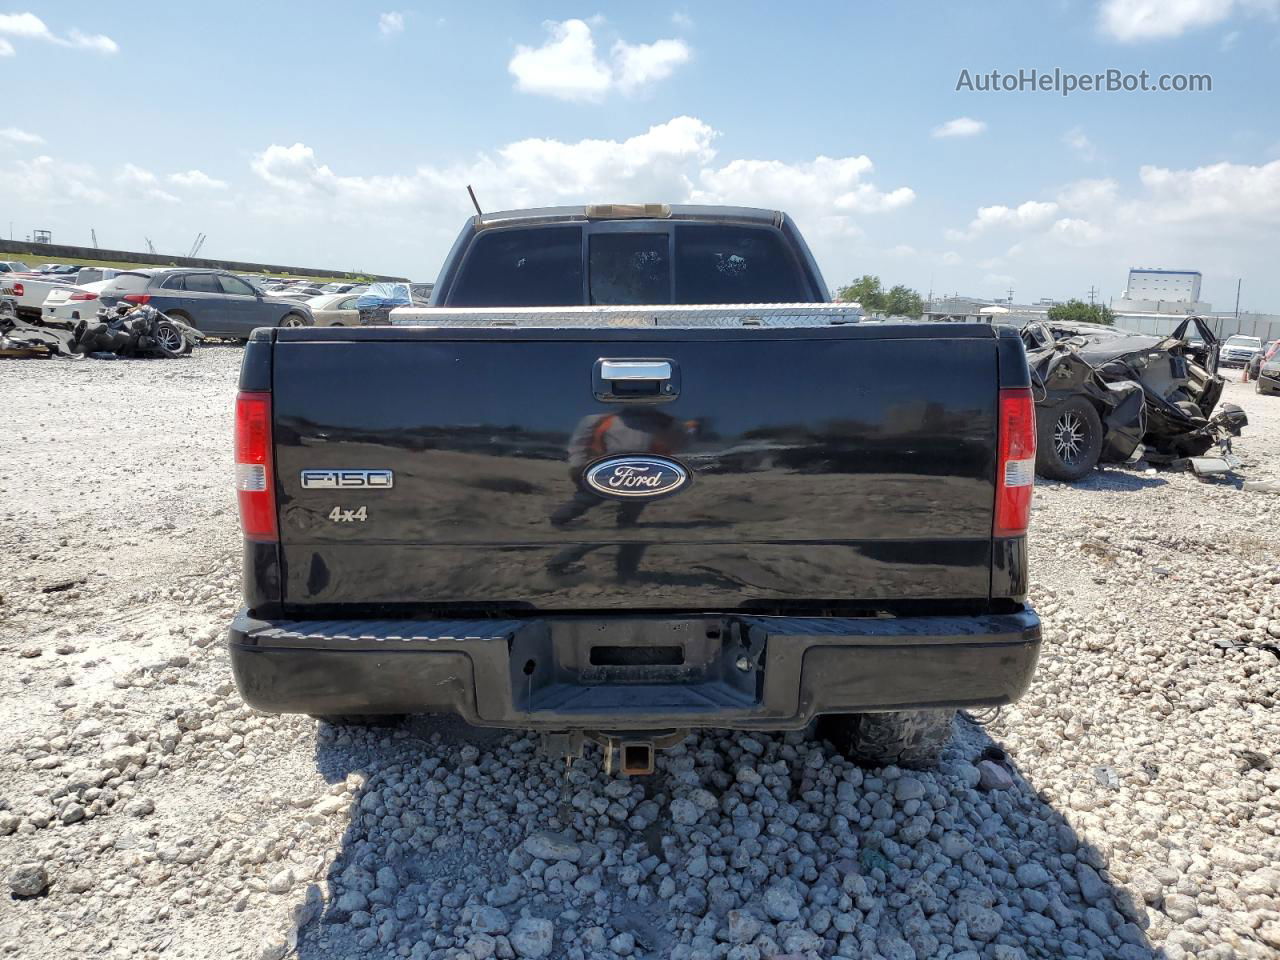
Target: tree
(903, 302)
(867, 291)
(1077, 311)
(898, 301)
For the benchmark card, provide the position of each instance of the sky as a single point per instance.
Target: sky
(342, 135)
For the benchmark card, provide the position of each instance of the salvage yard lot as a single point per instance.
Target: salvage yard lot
(1128, 807)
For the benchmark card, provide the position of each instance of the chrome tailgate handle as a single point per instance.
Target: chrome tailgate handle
(635, 370)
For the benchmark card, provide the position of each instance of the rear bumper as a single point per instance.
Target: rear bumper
(740, 672)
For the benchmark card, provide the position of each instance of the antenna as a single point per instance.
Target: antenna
(474, 202)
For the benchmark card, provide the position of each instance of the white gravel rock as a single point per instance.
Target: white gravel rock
(1143, 819)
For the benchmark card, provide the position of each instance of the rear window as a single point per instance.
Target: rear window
(534, 267)
(733, 264)
(126, 283)
(630, 268)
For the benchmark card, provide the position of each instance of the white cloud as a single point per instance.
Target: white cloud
(143, 182)
(1076, 139)
(960, 127)
(1076, 232)
(14, 135)
(23, 25)
(638, 65)
(567, 66)
(92, 41)
(1228, 42)
(197, 178)
(1220, 192)
(825, 193)
(391, 23)
(50, 182)
(674, 161)
(1088, 194)
(29, 26)
(1133, 21)
(1028, 214)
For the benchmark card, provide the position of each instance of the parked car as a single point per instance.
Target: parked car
(1268, 381)
(30, 290)
(335, 310)
(302, 292)
(215, 302)
(78, 302)
(1239, 350)
(1269, 351)
(343, 287)
(13, 266)
(736, 517)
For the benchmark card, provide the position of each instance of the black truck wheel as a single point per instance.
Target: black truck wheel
(1068, 439)
(908, 738)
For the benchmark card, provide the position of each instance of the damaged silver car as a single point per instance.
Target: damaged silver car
(1107, 395)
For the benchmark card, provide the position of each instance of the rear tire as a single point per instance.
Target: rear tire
(293, 320)
(1068, 439)
(908, 738)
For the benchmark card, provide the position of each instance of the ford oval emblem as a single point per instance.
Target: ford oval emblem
(628, 477)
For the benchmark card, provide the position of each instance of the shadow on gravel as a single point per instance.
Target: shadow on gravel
(1118, 481)
(466, 843)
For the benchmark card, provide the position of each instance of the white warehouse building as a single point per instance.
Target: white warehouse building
(1169, 286)
(1150, 290)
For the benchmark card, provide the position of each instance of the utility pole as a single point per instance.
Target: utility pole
(1239, 281)
(1011, 294)
(94, 234)
(1092, 292)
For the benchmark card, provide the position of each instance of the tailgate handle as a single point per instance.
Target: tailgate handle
(635, 370)
(635, 379)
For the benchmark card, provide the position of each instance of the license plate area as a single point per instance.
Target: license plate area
(583, 665)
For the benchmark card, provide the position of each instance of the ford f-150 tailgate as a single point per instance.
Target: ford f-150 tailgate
(820, 468)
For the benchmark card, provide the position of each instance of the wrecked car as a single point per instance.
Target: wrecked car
(1107, 395)
(127, 330)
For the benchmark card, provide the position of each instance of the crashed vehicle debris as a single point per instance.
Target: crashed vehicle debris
(1107, 395)
(127, 330)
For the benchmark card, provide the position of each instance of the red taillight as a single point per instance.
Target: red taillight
(137, 298)
(18, 289)
(83, 295)
(255, 485)
(1016, 465)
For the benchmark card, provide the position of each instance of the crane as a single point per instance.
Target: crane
(195, 247)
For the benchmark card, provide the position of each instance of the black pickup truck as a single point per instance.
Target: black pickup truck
(628, 475)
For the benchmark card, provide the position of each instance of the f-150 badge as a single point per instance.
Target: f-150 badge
(347, 479)
(627, 478)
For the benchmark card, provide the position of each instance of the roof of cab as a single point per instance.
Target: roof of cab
(676, 212)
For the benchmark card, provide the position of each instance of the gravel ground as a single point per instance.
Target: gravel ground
(1128, 807)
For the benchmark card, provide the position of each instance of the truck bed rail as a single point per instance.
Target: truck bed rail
(674, 316)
